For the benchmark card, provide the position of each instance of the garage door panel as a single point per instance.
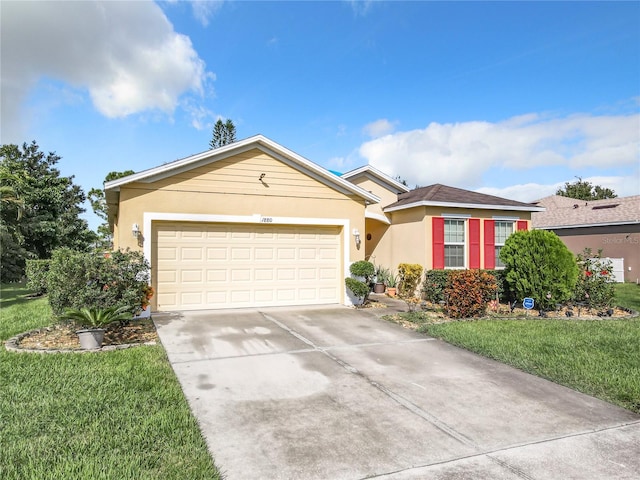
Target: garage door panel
(203, 266)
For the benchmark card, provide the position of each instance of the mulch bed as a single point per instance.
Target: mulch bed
(63, 337)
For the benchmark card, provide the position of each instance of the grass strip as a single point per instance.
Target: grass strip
(115, 415)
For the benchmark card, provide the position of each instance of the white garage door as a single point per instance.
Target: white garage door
(211, 265)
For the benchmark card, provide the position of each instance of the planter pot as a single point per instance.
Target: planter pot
(378, 288)
(391, 291)
(91, 338)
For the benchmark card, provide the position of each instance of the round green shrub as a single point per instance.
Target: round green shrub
(539, 265)
(363, 269)
(358, 288)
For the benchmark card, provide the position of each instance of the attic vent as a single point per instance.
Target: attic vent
(602, 207)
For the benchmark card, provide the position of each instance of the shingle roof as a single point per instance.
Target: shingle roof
(443, 195)
(568, 212)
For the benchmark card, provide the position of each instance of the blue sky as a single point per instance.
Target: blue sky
(507, 98)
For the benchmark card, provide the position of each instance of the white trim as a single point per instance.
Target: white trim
(461, 216)
(377, 216)
(150, 217)
(587, 225)
(376, 175)
(476, 206)
(261, 143)
(500, 218)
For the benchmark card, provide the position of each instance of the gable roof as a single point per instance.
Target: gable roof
(377, 176)
(445, 196)
(259, 142)
(565, 212)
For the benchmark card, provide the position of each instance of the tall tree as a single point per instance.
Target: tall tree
(223, 133)
(583, 190)
(98, 202)
(50, 207)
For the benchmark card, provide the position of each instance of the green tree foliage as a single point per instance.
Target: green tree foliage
(46, 214)
(468, 292)
(98, 202)
(223, 134)
(539, 265)
(583, 190)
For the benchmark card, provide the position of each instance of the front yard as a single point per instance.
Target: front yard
(116, 415)
(597, 357)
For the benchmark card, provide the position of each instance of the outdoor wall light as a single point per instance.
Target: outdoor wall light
(356, 235)
(262, 175)
(135, 229)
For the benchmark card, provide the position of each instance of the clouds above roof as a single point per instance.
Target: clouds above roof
(461, 153)
(126, 55)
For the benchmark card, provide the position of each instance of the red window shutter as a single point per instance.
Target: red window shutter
(489, 245)
(522, 225)
(474, 243)
(438, 242)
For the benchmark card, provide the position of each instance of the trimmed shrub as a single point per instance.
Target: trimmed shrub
(539, 265)
(363, 269)
(468, 292)
(37, 271)
(434, 284)
(595, 282)
(359, 289)
(79, 279)
(410, 274)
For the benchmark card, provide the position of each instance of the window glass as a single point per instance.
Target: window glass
(454, 243)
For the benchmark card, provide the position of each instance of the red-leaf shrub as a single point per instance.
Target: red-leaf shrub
(468, 292)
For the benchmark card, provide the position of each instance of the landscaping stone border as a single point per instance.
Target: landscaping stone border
(13, 345)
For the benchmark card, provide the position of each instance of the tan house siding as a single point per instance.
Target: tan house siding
(232, 187)
(410, 240)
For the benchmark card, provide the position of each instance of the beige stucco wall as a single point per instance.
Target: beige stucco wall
(409, 238)
(232, 187)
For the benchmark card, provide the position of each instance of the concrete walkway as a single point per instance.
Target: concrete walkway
(337, 393)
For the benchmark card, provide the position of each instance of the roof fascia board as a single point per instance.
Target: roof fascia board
(377, 176)
(587, 225)
(424, 203)
(260, 142)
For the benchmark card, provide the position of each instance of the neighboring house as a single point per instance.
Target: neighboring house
(255, 224)
(611, 225)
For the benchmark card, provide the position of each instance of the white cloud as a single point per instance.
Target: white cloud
(203, 10)
(459, 154)
(529, 192)
(379, 128)
(125, 54)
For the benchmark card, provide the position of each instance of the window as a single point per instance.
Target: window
(502, 232)
(454, 243)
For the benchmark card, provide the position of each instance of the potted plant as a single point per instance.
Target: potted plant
(392, 284)
(382, 274)
(91, 320)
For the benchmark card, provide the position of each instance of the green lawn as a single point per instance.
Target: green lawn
(116, 415)
(600, 358)
(628, 295)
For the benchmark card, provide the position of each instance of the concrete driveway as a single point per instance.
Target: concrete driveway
(335, 393)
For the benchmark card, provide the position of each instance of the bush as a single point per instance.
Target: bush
(468, 292)
(503, 289)
(359, 289)
(595, 282)
(434, 284)
(37, 271)
(363, 269)
(78, 279)
(539, 265)
(409, 274)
